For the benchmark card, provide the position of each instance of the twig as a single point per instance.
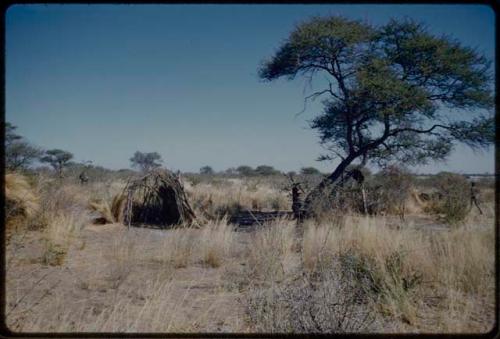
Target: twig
(27, 293)
(253, 216)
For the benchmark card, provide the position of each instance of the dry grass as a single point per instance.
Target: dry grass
(58, 212)
(21, 203)
(216, 243)
(104, 210)
(270, 252)
(59, 234)
(342, 273)
(404, 268)
(160, 310)
(20, 196)
(182, 247)
(215, 201)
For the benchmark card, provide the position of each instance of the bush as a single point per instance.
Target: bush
(452, 198)
(265, 170)
(332, 303)
(389, 190)
(309, 171)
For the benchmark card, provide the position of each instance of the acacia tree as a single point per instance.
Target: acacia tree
(266, 170)
(393, 93)
(10, 135)
(146, 161)
(245, 171)
(310, 171)
(207, 170)
(19, 153)
(58, 159)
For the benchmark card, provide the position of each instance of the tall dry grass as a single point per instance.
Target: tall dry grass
(218, 200)
(57, 211)
(405, 270)
(210, 245)
(21, 199)
(270, 253)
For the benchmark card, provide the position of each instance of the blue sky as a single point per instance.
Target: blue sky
(103, 81)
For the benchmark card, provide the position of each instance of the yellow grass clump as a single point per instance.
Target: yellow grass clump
(20, 196)
(104, 210)
(118, 206)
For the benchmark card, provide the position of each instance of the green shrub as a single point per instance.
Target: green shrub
(388, 191)
(452, 198)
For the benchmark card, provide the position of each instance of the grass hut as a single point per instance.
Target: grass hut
(156, 199)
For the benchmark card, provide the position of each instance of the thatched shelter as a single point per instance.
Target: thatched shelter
(156, 199)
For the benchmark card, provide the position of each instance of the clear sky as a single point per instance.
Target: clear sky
(104, 81)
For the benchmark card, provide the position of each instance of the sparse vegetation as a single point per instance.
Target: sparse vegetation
(342, 273)
(246, 250)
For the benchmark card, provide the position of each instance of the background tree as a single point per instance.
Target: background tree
(394, 92)
(389, 190)
(309, 171)
(206, 170)
(58, 159)
(266, 170)
(146, 161)
(10, 134)
(19, 153)
(231, 171)
(245, 171)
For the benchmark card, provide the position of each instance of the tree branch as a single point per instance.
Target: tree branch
(420, 131)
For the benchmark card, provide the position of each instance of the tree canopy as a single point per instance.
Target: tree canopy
(207, 170)
(146, 161)
(266, 170)
(392, 93)
(58, 159)
(395, 92)
(310, 171)
(19, 153)
(245, 170)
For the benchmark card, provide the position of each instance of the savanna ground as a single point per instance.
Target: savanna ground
(431, 271)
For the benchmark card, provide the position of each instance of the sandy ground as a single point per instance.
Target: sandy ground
(93, 279)
(109, 281)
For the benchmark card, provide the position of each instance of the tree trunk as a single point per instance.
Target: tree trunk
(320, 192)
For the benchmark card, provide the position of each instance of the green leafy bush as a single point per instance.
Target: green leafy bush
(452, 198)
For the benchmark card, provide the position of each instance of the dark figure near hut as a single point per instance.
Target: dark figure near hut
(473, 196)
(83, 178)
(355, 174)
(296, 201)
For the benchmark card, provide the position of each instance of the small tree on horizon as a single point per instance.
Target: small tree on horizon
(245, 171)
(206, 170)
(19, 153)
(393, 93)
(146, 161)
(309, 171)
(10, 134)
(266, 170)
(58, 159)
